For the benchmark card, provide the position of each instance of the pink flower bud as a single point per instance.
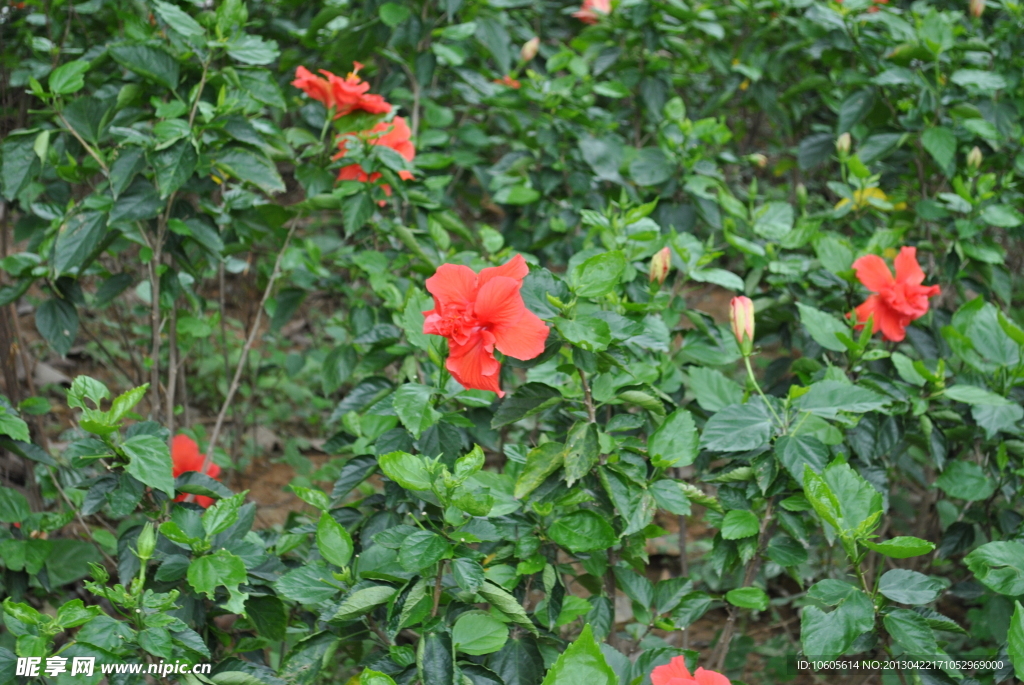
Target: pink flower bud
(977, 8)
(661, 263)
(741, 317)
(529, 49)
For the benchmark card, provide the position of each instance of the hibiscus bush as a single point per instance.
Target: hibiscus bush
(628, 343)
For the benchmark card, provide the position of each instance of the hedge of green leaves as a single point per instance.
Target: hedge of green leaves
(507, 447)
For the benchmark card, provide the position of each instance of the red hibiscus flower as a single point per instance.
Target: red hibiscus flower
(897, 301)
(590, 11)
(395, 135)
(345, 95)
(480, 312)
(507, 80)
(186, 457)
(676, 673)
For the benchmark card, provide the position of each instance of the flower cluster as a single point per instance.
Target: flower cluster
(343, 96)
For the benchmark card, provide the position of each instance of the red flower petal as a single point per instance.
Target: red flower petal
(453, 285)
(873, 273)
(705, 677)
(513, 268)
(907, 268)
(673, 670)
(473, 365)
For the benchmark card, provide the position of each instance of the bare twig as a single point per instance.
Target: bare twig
(240, 367)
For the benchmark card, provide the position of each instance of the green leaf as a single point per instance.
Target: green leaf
(13, 426)
(173, 166)
(422, 549)
(148, 62)
(822, 327)
(940, 143)
(393, 14)
(1003, 216)
(356, 211)
(651, 167)
(675, 442)
(1015, 640)
(178, 20)
(599, 274)
(506, 603)
(333, 541)
(713, 390)
(435, 659)
(307, 584)
(582, 663)
(477, 632)
(909, 587)
(541, 462)
(748, 598)
(774, 220)
(737, 428)
(582, 531)
(140, 201)
(902, 547)
(827, 398)
(516, 195)
(57, 322)
(68, 78)
(412, 403)
(249, 49)
(362, 601)
(13, 506)
(843, 498)
(405, 469)
(670, 496)
(740, 523)
(209, 572)
(20, 165)
(125, 402)
(967, 481)
(250, 167)
(604, 156)
(222, 515)
(802, 451)
(150, 462)
(999, 566)
(527, 400)
(581, 451)
(911, 632)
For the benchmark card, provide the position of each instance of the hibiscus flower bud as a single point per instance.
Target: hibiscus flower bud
(801, 194)
(741, 317)
(974, 158)
(977, 8)
(146, 544)
(758, 160)
(843, 144)
(661, 263)
(529, 49)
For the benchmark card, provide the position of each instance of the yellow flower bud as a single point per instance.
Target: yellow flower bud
(843, 144)
(661, 263)
(529, 49)
(974, 158)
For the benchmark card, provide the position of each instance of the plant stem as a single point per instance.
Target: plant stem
(240, 367)
(588, 399)
(437, 589)
(753, 379)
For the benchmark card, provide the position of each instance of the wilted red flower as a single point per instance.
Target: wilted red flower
(507, 80)
(676, 673)
(897, 301)
(185, 456)
(480, 312)
(590, 10)
(396, 135)
(345, 95)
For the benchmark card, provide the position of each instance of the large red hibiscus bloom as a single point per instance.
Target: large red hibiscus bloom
(186, 457)
(478, 313)
(345, 95)
(676, 673)
(896, 301)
